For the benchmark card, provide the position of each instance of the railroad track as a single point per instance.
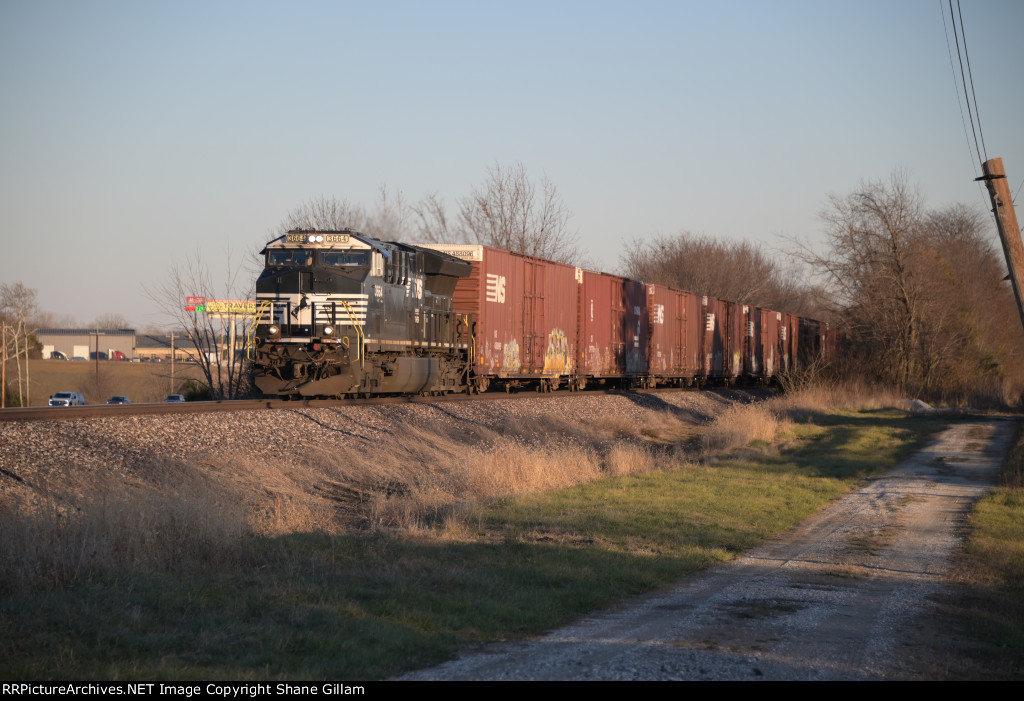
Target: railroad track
(47, 413)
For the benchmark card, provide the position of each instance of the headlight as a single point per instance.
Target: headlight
(274, 330)
(328, 331)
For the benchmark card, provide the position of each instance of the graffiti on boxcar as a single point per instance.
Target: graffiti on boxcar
(557, 360)
(510, 356)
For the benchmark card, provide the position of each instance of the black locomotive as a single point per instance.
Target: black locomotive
(342, 314)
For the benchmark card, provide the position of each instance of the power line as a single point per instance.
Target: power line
(970, 75)
(960, 104)
(963, 78)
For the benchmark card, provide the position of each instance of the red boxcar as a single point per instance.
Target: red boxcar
(524, 312)
(734, 331)
(769, 346)
(613, 327)
(675, 333)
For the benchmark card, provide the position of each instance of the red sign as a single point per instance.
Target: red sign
(191, 304)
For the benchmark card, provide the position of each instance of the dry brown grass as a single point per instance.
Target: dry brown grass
(57, 540)
(742, 424)
(850, 395)
(427, 475)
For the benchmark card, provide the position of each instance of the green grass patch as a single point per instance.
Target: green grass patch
(373, 605)
(986, 610)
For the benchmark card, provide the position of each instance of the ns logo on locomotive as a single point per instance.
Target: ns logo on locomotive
(342, 314)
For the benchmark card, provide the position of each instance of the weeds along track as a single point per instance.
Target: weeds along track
(187, 490)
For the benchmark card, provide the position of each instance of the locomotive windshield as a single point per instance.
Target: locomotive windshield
(345, 259)
(289, 257)
(301, 257)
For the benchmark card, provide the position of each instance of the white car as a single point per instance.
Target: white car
(174, 399)
(67, 399)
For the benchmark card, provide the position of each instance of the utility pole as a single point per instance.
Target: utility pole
(1006, 221)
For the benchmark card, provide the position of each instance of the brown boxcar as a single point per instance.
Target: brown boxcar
(790, 342)
(524, 313)
(812, 341)
(753, 362)
(770, 343)
(613, 327)
(713, 341)
(674, 336)
(734, 332)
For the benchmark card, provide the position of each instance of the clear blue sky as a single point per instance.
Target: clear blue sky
(135, 133)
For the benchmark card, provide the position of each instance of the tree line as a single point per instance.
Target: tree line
(922, 294)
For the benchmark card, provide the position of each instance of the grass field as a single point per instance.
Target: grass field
(142, 382)
(177, 585)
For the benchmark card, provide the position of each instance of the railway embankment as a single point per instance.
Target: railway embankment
(338, 468)
(362, 541)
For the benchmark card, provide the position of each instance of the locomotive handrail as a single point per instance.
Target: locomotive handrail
(359, 332)
(250, 337)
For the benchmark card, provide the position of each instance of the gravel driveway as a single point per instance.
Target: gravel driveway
(836, 598)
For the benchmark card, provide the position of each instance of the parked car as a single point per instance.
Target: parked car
(119, 399)
(174, 398)
(67, 399)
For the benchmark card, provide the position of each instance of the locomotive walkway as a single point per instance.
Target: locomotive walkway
(838, 598)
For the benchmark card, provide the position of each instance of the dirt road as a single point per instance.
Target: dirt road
(837, 598)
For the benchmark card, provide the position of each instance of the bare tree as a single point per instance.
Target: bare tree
(738, 271)
(49, 320)
(17, 306)
(431, 220)
(971, 343)
(224, 368)
(873, 239)
(920, 292)
(510, 211)
(111, 322)
(386, 220)
(325, 214)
